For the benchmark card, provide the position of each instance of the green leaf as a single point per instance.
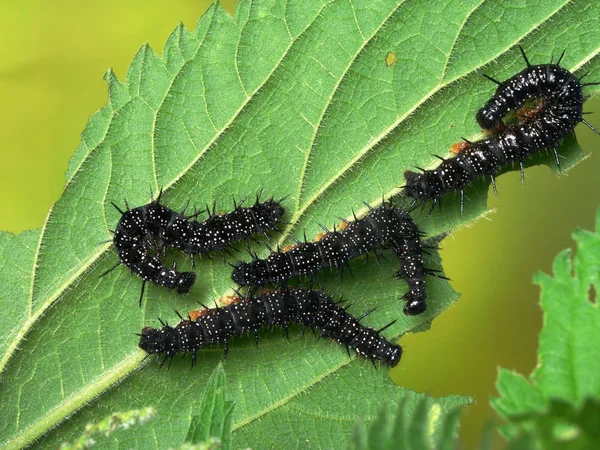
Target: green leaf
(418, 423)
(211, 444)
(109, 425)
(17, 261)
(214, 419)
(324, 416)
(561, 425)
(524, 441)
(296, 97)
(569, 341)
(567, 374)
(449, 431)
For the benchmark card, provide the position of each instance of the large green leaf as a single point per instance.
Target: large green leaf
(565, 387)
(293, 96)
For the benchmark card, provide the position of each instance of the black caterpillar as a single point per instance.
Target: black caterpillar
(312, 309)
(144, 232)
(559, 109)
(384, 227)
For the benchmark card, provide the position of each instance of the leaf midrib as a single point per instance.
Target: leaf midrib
(74, 402)
(328, 103)
(118, 373)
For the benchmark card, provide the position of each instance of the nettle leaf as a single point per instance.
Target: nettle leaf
(561, 425)
(564, 388)
(214, 418)
(299, 97)
(418, 423)
(111, 424)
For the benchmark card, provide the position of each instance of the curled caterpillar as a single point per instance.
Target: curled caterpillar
(384, 227)
(559, 98)
(144, 232)
(554, 86)
(312, 309)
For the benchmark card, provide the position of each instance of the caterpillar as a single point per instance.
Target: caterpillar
(312, 309)
(559, 97)
(383, 227)
(142, 233)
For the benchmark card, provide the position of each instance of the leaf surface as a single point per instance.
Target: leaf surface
(291, 96)
(418, 423)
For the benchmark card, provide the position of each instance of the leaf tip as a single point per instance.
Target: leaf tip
(109, 75)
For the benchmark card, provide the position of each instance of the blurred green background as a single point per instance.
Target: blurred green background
(52, 58)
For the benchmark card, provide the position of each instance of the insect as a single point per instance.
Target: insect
(386, 226)
(144, 232)
(558, 100)
(312, 309)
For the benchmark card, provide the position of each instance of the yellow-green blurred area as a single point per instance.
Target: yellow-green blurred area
(52, 58)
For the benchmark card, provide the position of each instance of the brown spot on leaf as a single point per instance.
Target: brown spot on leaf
(592, 294)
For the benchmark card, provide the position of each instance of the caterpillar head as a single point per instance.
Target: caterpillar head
(414, 306)
(391, 355)
(487, 117)
(185, 281)
(245, 274)
(274, 211)
(163, 341)
(417, 186)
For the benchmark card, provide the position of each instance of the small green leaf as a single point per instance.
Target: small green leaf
(567, 374)
(524, 441)
(418, 423)
(449, 431)
(106, 427)
(214, 419)
(359, 436)
(569, 341)
(517, 394)
(418, 429)
(401, 421)
(561, 425)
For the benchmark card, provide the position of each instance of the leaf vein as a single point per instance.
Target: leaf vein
(328, 102)
(459, 31)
